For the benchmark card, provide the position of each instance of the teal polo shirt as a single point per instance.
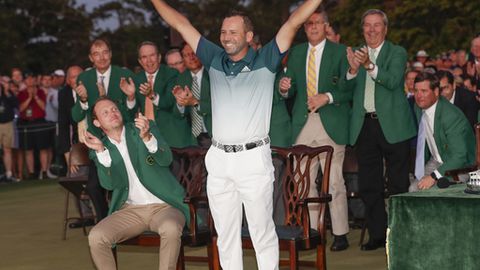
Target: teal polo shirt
(241, 91)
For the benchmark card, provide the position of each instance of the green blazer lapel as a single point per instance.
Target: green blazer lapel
(302, 62)
(325, 67)
(91, 83)
(384, 52)
(437, 126)
(130, 138)
(114, 79)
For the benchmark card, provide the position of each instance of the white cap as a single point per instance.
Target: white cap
(59, 73)
(417, 65)
(422, 53)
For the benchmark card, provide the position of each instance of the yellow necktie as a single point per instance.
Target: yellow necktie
(311, 74)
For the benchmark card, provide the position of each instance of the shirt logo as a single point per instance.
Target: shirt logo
(150, 160)
(245, 69)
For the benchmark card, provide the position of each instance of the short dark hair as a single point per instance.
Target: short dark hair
(431, 78)
(247, 23)
(446, 74)
(145, 43)
(104, 98)
(100, 41)
(375, 12)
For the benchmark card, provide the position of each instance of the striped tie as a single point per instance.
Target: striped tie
(197, 120)
(148, 102)
(102, 91)
(312, 74)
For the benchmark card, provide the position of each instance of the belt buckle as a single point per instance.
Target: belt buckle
(251, 145)
(374, 115)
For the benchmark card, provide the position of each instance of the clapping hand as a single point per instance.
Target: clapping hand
(141, 122)
(81, 91)
(146, 89)
(128, 87)
(93, 142)
(352, 61)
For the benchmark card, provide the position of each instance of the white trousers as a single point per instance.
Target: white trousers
(242, 178)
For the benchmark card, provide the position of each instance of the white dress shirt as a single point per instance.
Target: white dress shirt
(432, 146)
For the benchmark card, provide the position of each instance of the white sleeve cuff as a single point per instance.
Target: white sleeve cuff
(156, 100)
(285, 95)
(131, 104)
(152, 145)
(351, 76)
(330, 97)
(181, 109)
(104, 158)
(84, 105)
(438, 174)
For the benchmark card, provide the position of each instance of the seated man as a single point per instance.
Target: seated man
(445, 138)
(132, 160)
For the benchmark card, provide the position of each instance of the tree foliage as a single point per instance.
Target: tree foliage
(48, 34)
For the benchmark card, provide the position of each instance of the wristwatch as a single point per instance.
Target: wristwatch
(153, 97)
(370, 66)
(434, 176)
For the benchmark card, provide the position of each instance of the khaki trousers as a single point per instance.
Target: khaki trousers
(313, 134)
(132, 220)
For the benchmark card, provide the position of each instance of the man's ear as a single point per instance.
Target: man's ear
(249, 36)
(96, 123)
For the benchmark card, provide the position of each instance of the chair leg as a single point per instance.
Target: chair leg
(65, 215)
(82, 218)
(215, 257)
(321, 257)
(210, 256)
(181, 259)
(293, 256)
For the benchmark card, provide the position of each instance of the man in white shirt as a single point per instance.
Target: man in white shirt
(132, 161)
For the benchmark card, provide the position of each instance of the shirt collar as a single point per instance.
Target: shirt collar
(106, 73)
(378, 49)
(198, 74)
(319, 46)
(122, 138)
(154, 74)
(248, 58)
(430, 112)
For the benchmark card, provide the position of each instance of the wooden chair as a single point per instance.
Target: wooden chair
(455, 173)
(75, 185)
(296, 234)
(192, 176)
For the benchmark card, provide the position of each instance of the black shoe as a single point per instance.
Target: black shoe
(340, 243)
(373, 244)
(79, 224)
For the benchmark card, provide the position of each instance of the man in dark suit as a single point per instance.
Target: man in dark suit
(132, 161)
(381, 121)
(320, 114)
(154, 96)
(193, 97)
(460, 97)
(445, 139)
(109, 80)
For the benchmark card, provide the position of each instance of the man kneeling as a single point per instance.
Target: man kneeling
(132, 160)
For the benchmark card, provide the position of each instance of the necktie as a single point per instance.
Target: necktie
(311, 74)
(197, 120)
(369, 101)
(101, 89)
(148, 102)
(420, 156)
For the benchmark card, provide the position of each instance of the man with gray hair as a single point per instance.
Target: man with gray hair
(381, 121)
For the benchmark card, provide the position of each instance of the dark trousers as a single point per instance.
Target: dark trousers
(372, 149)
(97, 193)
(204, 140)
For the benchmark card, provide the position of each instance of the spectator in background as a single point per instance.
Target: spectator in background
(462, 59)
(255, 43)
(51, 115)
(58, 79)
(17, 78)
(410, 82)
(32, 126)
(333, 32)
(174, 59)
(418, 66)
(422, 56)
(8, 103)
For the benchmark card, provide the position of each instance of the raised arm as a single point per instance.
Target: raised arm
(287, 32)
(178, 22)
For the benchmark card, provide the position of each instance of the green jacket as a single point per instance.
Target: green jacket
(391, 104)
(335, 117)
(152, 170)
(280, 122)
(174, 128)
(205, 108)
(89, 80)
(453, 136)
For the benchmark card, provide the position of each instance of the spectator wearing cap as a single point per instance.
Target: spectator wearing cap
(58, 79)
(418, 66)
(32, 125)
(422, 56)
(8, 103)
